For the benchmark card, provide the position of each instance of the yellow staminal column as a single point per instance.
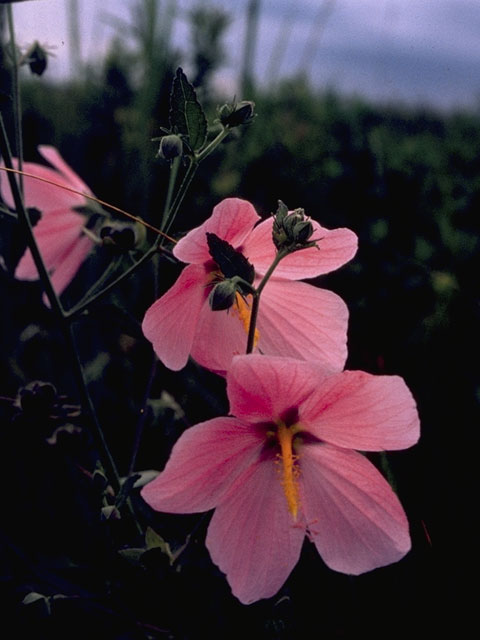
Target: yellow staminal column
(243, 310)
(290, 471)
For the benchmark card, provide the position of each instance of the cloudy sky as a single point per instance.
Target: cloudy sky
(416, 51)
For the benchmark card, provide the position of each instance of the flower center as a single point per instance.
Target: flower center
(290, 469)
(242, 309)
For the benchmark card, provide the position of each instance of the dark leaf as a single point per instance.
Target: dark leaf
(231, 262)
(186, 114)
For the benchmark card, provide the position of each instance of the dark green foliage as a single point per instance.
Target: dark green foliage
(234, 115)
(186, 114)
(231, 262)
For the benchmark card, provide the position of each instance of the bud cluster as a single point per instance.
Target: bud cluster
(291, 230)
(236, 114)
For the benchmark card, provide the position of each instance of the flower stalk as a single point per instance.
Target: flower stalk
(256, 299)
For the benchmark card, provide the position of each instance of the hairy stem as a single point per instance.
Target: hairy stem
(171, 185)
(256, 300)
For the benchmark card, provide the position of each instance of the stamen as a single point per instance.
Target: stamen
(243, 310)
(290, 469)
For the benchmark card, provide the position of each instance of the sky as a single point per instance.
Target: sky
(412, 51)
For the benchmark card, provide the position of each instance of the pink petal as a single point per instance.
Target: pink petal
(41, 195)
(55, 159)
(232, 220)
(69, 263)
(220, 335)
(357, 410)
(203, 464)
(55, 233)
(336, 247)
(170, 323)
(355, 519)
(262, 389)
(301, 321)
(252, 537)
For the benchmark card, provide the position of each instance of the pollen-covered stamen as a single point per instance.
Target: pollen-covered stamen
(243, 310)
(290, 469)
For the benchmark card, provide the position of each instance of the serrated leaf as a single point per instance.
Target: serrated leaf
(186, 114)
(231, 262)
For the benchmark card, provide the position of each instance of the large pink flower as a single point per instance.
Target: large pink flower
(284, 466)
(295, 319)
(59, 232)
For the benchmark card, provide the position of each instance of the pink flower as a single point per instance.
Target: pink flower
(295, 319)
(58, 233)
(284, 466)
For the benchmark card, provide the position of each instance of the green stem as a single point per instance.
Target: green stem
(79, 308)
(7, 212)
(187, 179)
(171, 184)
(213, 144)
(111, 268)
(17, 108)
(256, 300)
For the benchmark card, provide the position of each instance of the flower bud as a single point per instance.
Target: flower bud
(302, 231)
(37, 59)
(222, 296)
(234, 115)
(291, 231)
(118, 236)
(171, 147)
(290, 222)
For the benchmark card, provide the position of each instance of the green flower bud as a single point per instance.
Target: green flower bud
(234, 115)
(291, 231)
(222, 296)
(302, 231)
(171, 147)
(291, 221)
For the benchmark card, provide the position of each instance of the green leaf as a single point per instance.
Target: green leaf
(155, 541)
(186, 114)
(231, 262)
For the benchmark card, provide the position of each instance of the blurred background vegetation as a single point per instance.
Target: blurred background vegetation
(406, 180)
